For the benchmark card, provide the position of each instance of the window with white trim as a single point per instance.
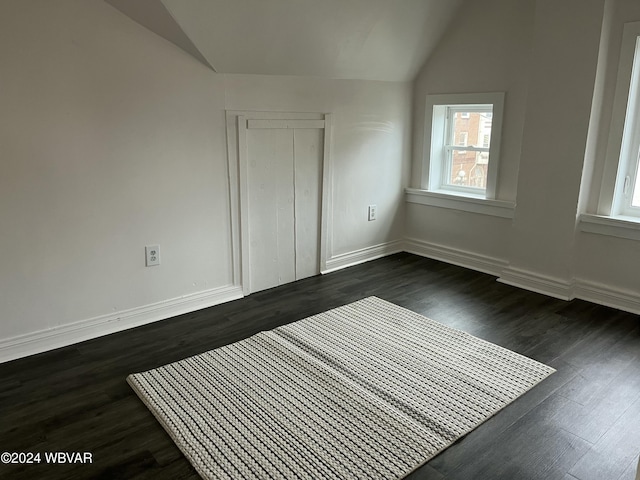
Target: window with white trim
(462, 144)
(626, 201)
(618, 207)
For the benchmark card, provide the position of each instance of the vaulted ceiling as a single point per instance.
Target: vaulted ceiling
(351, 39)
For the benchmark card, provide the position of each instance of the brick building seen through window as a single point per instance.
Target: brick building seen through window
(469, 167)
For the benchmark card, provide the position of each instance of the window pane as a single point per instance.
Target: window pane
(470, 128)
(468, 169)
(463, 141)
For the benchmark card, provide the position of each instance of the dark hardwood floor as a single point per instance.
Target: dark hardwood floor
(583, 422)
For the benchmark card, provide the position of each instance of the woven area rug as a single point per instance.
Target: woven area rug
(368, 390)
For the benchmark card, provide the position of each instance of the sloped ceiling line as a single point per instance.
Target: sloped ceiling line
(386, 40)
(153, 15)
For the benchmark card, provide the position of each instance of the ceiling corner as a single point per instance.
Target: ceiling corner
(153, 15)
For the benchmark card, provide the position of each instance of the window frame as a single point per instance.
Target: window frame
(623, 145)
(434, 154)
(630, 146)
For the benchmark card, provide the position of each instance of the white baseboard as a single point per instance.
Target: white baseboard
(362, 255)
(594, 292)
(63, 335)
(462, 258)
(604, 295)
(551, 286)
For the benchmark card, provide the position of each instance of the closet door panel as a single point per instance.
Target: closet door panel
(270, 185)
(308, 154)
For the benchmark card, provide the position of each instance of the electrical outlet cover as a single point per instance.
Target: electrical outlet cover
(372, 212)
(152, 255)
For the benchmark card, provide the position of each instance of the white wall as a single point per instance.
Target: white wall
(561, 83)
(112, 139)
(370, 140)
(487, 49)
(557, 63)
(609, 262)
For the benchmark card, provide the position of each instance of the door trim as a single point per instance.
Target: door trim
(237, 124)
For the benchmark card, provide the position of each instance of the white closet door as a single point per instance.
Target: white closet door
(284, 186)
(270, 182)
(308, 153)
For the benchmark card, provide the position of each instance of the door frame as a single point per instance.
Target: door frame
(238, 122)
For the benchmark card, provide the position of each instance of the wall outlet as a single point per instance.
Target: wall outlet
(373, 210)
(153, 255)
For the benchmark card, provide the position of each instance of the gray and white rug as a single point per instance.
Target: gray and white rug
(369, 390)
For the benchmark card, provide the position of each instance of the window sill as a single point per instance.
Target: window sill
(484, 206)
(621, 227)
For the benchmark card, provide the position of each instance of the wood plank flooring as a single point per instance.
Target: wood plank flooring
(582, 423)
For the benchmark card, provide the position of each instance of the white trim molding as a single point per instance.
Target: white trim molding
(284, 123)
(356, 257)
(601, 294)
(462, 258)
(496, 208)
(550, 286)
(64, 335)
(238, 123)
(620, 227)
(435, 133)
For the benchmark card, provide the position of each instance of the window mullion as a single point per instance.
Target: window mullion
(464, 148)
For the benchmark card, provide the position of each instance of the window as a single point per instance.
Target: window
(626, 200)
(618, 211)
(462, 150)
(619, 196)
